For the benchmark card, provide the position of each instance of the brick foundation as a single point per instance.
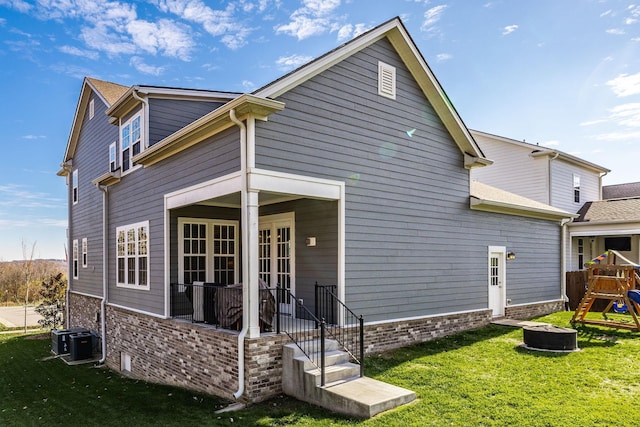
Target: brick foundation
(204, 359)
(528, 311)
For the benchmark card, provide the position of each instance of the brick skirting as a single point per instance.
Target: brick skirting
(528, 311)
(204, 359)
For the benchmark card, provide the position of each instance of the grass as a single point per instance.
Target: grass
(481, 378)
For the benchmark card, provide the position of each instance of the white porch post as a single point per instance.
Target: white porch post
(251, 278)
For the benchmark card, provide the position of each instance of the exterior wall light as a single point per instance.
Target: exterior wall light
(511, 255)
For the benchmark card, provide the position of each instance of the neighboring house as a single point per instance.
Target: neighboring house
(352, 170)
(607, 224)
(543, 174)
(621, 191)
(565, 182)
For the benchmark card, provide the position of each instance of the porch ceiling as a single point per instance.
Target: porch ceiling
(234, 200)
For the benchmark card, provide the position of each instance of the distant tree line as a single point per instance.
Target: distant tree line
(21, 281)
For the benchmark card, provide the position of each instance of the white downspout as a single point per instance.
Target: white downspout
(105, 264)
(145, 102)
(563, 259)
(67, 168)
(245, 253)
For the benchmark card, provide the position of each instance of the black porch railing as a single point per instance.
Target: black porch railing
(346, 327)
(218, 305)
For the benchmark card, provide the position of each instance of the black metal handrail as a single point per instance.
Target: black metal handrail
(350, 333)
(302, 328)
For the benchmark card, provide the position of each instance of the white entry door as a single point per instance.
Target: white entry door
(276, 247)
(497, 282)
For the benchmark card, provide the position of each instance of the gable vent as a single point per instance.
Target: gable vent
(386, 80)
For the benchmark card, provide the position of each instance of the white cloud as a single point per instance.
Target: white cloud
(509, 29)
(248, 86)
(72, 50)
(606, 13)
(139, 64)
(287, 63)
(312, 19)
(625, 84)
(432, 16)
(615, 31)
(593, 122)
(443, 57)
(19, 5)
(627, 114)
(34, 137)
(618, 136)
(163, 36)
(350, 31)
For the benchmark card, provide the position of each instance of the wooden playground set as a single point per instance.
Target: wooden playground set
(617, 283)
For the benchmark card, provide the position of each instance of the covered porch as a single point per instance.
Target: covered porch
(237, 248)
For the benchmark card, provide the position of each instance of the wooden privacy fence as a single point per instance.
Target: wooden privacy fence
(576, 288)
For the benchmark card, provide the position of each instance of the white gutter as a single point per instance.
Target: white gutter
(103, 314)
(563, 259)
(145, 102)
(244, 220)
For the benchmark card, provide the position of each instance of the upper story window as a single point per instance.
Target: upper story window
(386, 80)
(74, 185)
(132, 255)
(92, 109)
(130, 141)
(113, 157)
(576, 188)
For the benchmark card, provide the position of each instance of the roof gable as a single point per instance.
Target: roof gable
(397, 34)
(107, 92)
(611, 211)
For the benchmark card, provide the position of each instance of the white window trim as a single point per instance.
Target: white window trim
(113, 160)
(386, 80)
(576, 188)
(210, 223)
(120, 150)
(75, 187)
(91, 109)
(85, 254)
(74, 259)
(125, 228)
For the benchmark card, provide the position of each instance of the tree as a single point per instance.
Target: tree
(53, 302)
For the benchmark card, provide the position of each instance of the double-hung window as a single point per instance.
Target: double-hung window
(576, 188)
(130, 141)
(74, 186)
(132, 255)
(74, 263)
(84, 253)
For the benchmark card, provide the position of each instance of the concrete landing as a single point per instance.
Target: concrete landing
(365, 397)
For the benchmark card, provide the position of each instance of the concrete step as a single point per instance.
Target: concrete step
(334, 373)
(332, 357)
(365, 397)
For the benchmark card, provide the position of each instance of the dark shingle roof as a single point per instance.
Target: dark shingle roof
(620, 191)
(610, 210)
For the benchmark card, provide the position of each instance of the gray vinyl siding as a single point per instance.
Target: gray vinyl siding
(139, 196)
(166, 116)
(92, 160)
(413, 246)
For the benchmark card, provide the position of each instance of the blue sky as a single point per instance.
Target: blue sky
(561, 73)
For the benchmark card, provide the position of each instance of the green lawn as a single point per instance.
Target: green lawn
(481, 377)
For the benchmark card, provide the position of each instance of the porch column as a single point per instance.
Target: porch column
(252, 265)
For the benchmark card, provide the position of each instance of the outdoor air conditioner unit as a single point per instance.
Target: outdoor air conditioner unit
(60, 339)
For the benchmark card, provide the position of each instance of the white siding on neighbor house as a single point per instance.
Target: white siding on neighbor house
(513, 168)
(562, 173)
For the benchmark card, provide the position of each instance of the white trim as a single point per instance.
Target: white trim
(209, 256)
(386, 80)
(75, 259)
(222, 186)
(429, 316)
(502, 274)
(279, 182)
(134, 310)
(75, 186)
(271, 222)
(92, 109)
(85, 252)
(524, 304)
(137, 256)
(85, 294)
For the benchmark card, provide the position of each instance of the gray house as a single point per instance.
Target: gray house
(352, 170)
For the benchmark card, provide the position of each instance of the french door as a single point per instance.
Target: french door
(276, 249)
